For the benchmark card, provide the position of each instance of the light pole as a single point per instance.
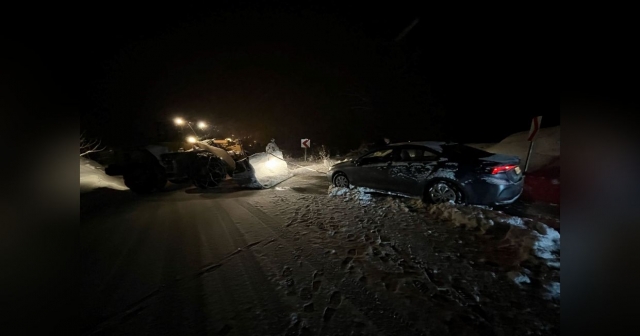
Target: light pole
(194, 131)
(180, 122)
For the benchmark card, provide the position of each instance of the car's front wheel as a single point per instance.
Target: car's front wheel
(340, 180)
(443, 192)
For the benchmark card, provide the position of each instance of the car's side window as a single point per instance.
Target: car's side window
(414, 155)
(377, 156)
(425, 155)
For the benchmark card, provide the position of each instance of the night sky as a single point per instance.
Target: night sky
(334, 73)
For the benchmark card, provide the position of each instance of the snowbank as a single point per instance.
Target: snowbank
(511, 240)
(546, 148)
(92, 176)
(515, 239)
(358, 194)
(534, 238)
(553, 290)
(482, 146)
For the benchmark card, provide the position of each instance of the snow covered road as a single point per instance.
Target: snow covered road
(293, 260)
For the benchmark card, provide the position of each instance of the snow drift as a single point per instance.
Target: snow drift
(534, 239)
(546, 148)
(92, 176)
(509, 241)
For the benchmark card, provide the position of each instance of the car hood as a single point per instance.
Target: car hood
(344, 164)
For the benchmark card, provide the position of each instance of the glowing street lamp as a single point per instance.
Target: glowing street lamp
(202, 125)
(191, 139)
(178, 121)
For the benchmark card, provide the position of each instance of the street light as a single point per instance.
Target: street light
(202, 125)
(191, 139)
(178, 121)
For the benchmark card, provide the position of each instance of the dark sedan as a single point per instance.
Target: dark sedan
(435, 171)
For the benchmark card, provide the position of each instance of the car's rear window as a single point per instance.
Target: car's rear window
(458, 150)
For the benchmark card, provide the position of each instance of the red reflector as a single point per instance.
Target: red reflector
(500, 169)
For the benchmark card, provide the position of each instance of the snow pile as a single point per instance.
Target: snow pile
(546, 147)
(482, 146)
(530, 239)
(92, 176)
(515, 240)
(543, 241)
(353, 194)
(270, 169)
(553, 290)
(547, 246)
(465, 216)
(518, 277)
(401, 253)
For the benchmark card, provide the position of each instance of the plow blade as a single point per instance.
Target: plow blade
(269, 169)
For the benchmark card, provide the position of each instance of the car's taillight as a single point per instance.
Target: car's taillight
(501, 169)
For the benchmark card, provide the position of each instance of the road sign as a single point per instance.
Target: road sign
(535, 126)
(305, 143)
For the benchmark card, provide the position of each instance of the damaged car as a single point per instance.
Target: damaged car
(437, 172)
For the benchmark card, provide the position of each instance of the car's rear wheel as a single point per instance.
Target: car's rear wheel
(442, 191)
(340, 180)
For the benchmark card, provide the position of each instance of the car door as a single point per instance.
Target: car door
(410, 167)
(373, 170)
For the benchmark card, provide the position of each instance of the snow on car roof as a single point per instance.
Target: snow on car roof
(435, 145)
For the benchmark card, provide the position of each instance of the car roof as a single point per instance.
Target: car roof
(435, 145)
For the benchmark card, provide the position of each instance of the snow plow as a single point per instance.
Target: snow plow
(206, 165)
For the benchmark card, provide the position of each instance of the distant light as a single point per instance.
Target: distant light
(202, 125)
(178, 121)
(192, 139)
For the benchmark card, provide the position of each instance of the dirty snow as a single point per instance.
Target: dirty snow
(362, 195)
(546, 240)
(547, 246)
(92, 176)
(518, 277)
(553, 289)
(394, 257)
(536, 239)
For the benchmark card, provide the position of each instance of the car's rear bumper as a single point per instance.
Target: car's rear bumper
(509, 201)
(494, 193)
